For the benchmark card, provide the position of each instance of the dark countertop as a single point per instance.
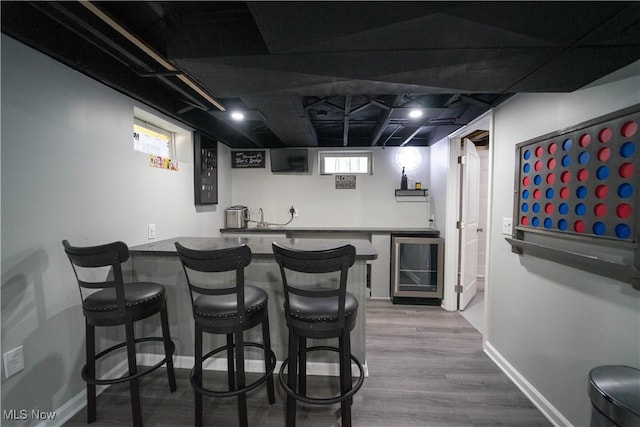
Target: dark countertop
(260, 246)
(327, 230)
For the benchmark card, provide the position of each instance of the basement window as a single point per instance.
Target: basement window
(345, 162)
(154, 140)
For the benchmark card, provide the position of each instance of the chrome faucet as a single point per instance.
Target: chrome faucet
(261, 224)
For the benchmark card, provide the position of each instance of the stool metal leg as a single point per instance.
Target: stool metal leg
(91, 371)
(266, 341)
(231, 375)
(134, 385)
(198, 376)
(164, 318)
(291, 378)
(302, 366)
(345, 376)
(242, 397)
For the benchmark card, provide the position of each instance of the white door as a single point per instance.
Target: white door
(469, 213)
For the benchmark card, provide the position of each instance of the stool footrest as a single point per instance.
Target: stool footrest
(96, 381)
(323, 401)
(271, 365)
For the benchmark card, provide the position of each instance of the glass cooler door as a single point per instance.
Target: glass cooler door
(417, 267)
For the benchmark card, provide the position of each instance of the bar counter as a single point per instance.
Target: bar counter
(158, 262)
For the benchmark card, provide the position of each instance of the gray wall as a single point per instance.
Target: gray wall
(549, 323)
(69, 172)
(371, 204)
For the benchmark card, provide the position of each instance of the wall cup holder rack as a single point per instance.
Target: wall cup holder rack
(591, 263)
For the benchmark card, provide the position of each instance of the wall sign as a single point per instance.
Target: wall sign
(345, 182)
(247, 159)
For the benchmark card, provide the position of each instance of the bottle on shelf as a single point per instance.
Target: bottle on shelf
(403, 181)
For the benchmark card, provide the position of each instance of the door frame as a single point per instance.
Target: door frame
(451, 232)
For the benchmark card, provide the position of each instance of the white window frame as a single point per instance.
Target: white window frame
(346, 169)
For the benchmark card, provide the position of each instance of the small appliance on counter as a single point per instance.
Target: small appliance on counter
(237, 217)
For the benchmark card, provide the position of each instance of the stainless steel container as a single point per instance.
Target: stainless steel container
(236, 217)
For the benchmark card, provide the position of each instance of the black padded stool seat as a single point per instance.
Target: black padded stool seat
(141, 299)
(318, 311)
(114, 303)
(323, 309)
(226, 306)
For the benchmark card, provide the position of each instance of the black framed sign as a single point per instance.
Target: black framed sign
(247, 159)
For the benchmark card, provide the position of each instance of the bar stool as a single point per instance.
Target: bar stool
(108, 301)
(322, 310)
(221, 306)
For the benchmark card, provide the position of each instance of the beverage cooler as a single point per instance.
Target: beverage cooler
(416, 269)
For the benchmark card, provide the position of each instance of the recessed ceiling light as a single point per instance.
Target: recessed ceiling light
(237, 115)
(415, 113)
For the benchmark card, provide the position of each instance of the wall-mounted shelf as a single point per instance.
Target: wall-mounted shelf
(421, 195)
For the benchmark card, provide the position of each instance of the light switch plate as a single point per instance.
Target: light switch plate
(507, 226)
(152, 231)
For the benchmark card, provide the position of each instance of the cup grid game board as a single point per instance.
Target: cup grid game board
(582, 182)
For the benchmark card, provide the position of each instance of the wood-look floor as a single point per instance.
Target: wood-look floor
(426, 368)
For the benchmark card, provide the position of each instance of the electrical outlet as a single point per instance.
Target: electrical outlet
(13, 361)
(296, 213)
(507, 226)
(152, 231)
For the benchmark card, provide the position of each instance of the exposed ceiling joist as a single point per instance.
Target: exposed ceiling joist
(347, 112)
(385, 118)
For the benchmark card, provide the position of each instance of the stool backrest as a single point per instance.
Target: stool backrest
(333, 260)
(99, 258)
(210, 262)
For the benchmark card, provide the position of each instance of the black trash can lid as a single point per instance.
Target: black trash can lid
(615, 391)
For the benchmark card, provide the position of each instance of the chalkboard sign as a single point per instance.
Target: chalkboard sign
(247, 159)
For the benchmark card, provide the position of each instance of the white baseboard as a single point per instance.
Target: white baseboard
(65, 412)
(74, 405)
(250, 365)
(548, 410)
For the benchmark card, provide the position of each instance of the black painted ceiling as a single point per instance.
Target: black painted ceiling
(331, 74)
